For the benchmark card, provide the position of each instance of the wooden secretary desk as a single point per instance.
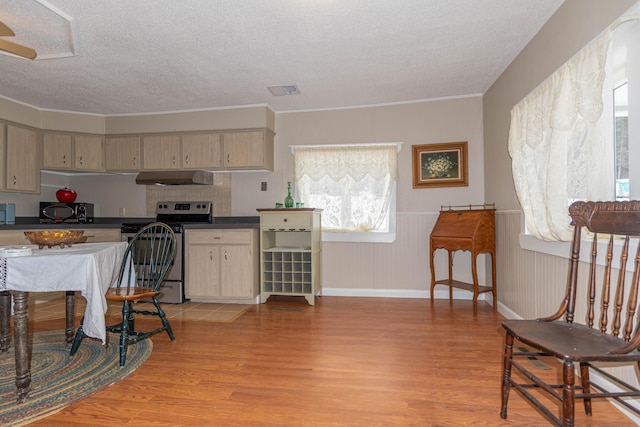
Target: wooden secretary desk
(465, 228)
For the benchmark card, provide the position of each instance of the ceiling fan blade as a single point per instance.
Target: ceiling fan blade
(17, 49)
(6, 31)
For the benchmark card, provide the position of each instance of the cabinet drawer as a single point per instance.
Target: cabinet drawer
(237, 237)
(285, 220)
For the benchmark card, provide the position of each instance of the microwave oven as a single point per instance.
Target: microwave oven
(58, 212)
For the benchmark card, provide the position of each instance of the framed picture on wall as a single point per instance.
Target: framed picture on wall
(440, 165)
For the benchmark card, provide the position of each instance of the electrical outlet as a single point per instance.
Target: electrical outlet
(263, 186)
(121, 211)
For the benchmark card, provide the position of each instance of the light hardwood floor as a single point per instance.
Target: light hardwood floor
(344, 362)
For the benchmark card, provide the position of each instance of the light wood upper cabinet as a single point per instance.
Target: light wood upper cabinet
(3, 171)
(161, 152)
(23, 160)
(190, 151)
(69, 152)
(88, 153)
(57, 151)
(210, 151)
(123, 153)
(247, 150)
(201, 151)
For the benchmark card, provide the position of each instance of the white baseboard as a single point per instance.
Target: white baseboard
(400, 293)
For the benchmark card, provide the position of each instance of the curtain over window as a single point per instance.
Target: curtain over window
(558, 146)
(351, 183)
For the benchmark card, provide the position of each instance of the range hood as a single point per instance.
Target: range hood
(196, 177)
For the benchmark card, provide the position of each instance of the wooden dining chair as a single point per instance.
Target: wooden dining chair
(147, 259)
(605, 328)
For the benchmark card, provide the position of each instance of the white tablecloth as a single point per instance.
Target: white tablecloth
(90, 268)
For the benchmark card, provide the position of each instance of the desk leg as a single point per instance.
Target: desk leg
(21, 338)
(5, 320)
(474, 274)
(433, 272)
(450, 276)
(70, 330)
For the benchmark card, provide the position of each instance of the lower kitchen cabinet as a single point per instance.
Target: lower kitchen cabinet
(222, 265)
(91, 235)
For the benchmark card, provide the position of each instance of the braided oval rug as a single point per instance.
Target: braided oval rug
(57, 379)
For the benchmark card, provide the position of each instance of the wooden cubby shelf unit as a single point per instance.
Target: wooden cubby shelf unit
(290, 253)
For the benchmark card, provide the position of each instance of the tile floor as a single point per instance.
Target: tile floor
(44, 306)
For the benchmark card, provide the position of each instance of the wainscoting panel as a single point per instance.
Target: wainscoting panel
(515, 267)
(391, 268)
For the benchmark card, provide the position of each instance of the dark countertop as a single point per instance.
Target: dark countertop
(115, 222)
(222, 222)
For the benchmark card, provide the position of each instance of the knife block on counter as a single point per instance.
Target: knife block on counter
(465, 228)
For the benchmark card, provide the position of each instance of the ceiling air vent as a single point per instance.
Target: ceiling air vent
(284, 90)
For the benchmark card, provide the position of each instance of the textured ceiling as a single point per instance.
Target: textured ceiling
(141, 56)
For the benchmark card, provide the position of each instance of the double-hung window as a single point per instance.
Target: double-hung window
(625, 76)
(354, 185)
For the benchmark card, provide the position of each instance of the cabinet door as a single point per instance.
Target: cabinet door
(236, 272)
(3, 146)
(96, 235)
(24, 159)
(201, 151)
(56, 151)
(161, 152)
(14, 237)
(244, 149)
(122, 153)
(202, 275)
(88, 153)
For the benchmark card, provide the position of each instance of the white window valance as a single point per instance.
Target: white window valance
(559, 150)
(351, 183)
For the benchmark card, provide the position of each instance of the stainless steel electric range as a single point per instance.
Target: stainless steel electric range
(175, 214)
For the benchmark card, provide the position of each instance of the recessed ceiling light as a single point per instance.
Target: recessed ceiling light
(284, 90)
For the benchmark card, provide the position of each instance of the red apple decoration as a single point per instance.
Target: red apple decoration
(66, 195)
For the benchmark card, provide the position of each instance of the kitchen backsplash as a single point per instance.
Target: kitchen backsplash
(219, 193)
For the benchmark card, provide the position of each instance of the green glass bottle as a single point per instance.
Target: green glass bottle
(288, 201)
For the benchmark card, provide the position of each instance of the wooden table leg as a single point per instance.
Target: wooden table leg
(5, 320)
(21, 339)
(70, 305)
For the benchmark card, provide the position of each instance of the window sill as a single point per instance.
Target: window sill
(531, 243)
(563, 249)
(359, 237)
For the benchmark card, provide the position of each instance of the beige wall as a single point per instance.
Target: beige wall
(217, 119)
(412, 123)
(385, 268)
